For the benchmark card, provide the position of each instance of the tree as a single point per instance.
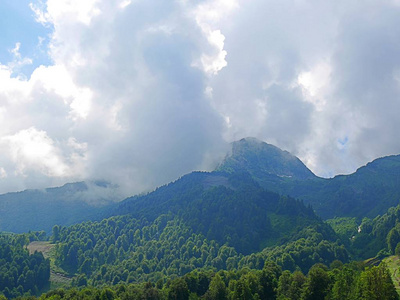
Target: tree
(284, 284)
(56, 233)
(343, 287)
(242, 290)
(317, 284)
(178, 290)
(269, 280)
(107, 294)
(393, 238)
(296, 287)
(376, 284)
(217, 290)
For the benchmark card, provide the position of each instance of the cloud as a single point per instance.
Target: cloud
(305, 75)
(123, 101)
(33, 149)
(362, 96)
(139, 96)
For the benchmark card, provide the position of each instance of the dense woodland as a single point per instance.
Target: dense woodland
(21, 272)
(122, 249)
(340, 282)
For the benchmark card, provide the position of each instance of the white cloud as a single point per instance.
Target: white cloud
(208, 15)
(3, 173)
(125, 3)
(18, 61)
(139, 96)
(33, 149)
(213, 64)
(318, 72)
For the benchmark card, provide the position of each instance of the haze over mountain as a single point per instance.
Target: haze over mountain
(262, 159)
(34, 210)
(251, 165)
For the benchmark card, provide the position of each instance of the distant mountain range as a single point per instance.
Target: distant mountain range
(36, 210)
(253, 167)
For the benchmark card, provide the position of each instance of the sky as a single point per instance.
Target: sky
(138, 93)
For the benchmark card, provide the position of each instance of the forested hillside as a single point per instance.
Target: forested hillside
(371, 237)
(123, 249)
(21, 272)
(260, 217)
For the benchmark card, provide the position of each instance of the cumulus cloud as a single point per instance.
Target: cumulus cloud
(139, 93)
(315, 78)
(123, 101)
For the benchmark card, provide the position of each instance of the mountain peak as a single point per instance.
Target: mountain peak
(261, 159)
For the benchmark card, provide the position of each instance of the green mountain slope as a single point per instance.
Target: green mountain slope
(228, 208)
(125, 249)
(370, 191)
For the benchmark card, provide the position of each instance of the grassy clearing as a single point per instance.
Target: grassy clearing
(44, 247)
(58, 277)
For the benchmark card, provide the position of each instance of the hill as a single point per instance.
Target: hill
(368, 192)
(208, 202)
(35, 210)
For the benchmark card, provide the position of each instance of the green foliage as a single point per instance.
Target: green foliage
(376, 284)
(379, 235)
(208, 202)
(318, 283)
(217, 289)
(344, 227)
(124, 249)
(309, 246)
(393, 238)
(346, 283)
(21, 272)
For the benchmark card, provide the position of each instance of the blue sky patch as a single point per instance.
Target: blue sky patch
(18, 25)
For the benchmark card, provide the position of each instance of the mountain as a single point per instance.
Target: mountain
(264, 161)
(252, 165)
(36, 210)
(202, 221)
(368, 192)
(209, 202)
